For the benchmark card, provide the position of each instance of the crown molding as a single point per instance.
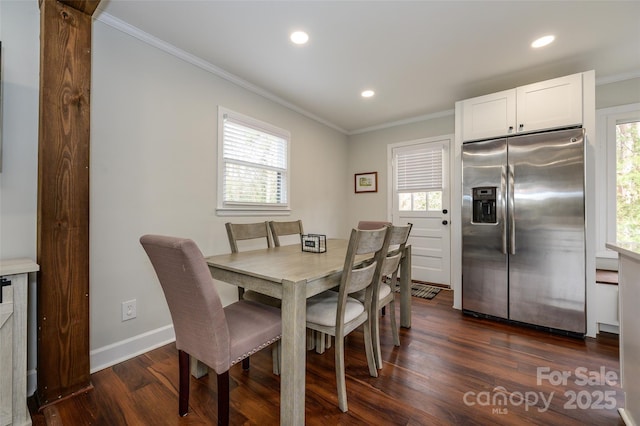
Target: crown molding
(135, 32)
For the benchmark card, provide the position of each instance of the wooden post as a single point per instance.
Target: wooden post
(63, 199)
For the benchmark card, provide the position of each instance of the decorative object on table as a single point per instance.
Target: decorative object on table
(366, 182)
(424, 291)
(314, 243)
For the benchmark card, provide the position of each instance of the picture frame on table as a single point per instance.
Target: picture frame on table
(366, 182)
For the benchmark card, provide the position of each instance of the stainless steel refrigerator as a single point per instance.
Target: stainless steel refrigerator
(523, 229)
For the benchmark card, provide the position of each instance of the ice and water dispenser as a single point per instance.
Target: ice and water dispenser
(484, 204)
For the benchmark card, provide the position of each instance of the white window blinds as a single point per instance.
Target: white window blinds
(254, 162)
(419, 169)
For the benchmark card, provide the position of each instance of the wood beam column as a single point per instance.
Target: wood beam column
(63, 199)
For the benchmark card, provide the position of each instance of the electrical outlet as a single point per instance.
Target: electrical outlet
(129, 310)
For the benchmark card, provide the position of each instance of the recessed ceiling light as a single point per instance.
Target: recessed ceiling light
(299, 37)
(367, 93)
(543, 41)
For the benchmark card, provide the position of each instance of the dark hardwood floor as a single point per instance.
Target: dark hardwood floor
(451, 369)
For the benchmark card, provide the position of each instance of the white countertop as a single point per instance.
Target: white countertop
(17, 266)
(631, 250)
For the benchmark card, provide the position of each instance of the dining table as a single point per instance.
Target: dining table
(293, 275)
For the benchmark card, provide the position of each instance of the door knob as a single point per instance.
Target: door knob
(444, 222)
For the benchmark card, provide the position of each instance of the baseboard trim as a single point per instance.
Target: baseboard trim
(118, 352)
(608, 328)
(32, 381)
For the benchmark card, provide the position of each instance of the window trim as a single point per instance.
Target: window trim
(606, 121)
(250, 209)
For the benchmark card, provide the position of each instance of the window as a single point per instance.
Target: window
(253, 166)
(628, 181)
(618, 176)
(419, 179)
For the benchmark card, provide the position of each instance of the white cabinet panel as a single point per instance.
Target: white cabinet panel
(607, 304)
(489, 115)
(13, 334)
(550, 104)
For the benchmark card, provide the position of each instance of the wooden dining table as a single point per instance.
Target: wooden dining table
(293, 275)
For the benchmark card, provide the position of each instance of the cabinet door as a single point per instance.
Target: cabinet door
(550, 104)
(488, 116)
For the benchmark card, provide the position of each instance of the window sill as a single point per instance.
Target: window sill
(253, 212)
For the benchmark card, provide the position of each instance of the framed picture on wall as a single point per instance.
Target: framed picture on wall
(366, 182)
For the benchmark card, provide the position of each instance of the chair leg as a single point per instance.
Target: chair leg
(375, 337)
(368, 347)
(183, 395)
(223, 399)
(320, 340)
(328, 342)
(340, 379)
(311, 343)
(275, 356)
(394, 324)
(245, 363)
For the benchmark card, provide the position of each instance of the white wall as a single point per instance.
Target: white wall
(19, 31)
(153, 170)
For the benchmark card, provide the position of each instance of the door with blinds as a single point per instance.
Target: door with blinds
(421, 197)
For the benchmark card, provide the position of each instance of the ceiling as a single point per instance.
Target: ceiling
(420, 57)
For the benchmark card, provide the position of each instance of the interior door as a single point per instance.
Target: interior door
(420, 182)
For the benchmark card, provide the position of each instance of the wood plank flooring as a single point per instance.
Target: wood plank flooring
(451, 369)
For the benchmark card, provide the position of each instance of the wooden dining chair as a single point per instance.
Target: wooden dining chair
(322, 341)
(280, 229)
(285, 229)
(219, 337)
(243, 232)
(253, 231)
(247, 231)
(384, 291)
(338, 314)
(371, 224)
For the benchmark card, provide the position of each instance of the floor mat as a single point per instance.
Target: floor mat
(424, 291)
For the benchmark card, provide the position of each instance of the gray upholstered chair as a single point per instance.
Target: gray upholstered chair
(219, 337)
(337, 314)
(279, 229)
(384, 292)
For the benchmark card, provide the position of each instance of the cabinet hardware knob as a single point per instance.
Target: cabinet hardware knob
(444, 222)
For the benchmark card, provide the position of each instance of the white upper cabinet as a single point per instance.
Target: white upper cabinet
(489, 115)
(546, 105)
(550, 104)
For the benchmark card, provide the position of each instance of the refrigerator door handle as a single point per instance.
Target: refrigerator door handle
(512, 210)
(503, 207)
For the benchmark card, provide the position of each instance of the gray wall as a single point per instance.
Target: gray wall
(153, 170)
